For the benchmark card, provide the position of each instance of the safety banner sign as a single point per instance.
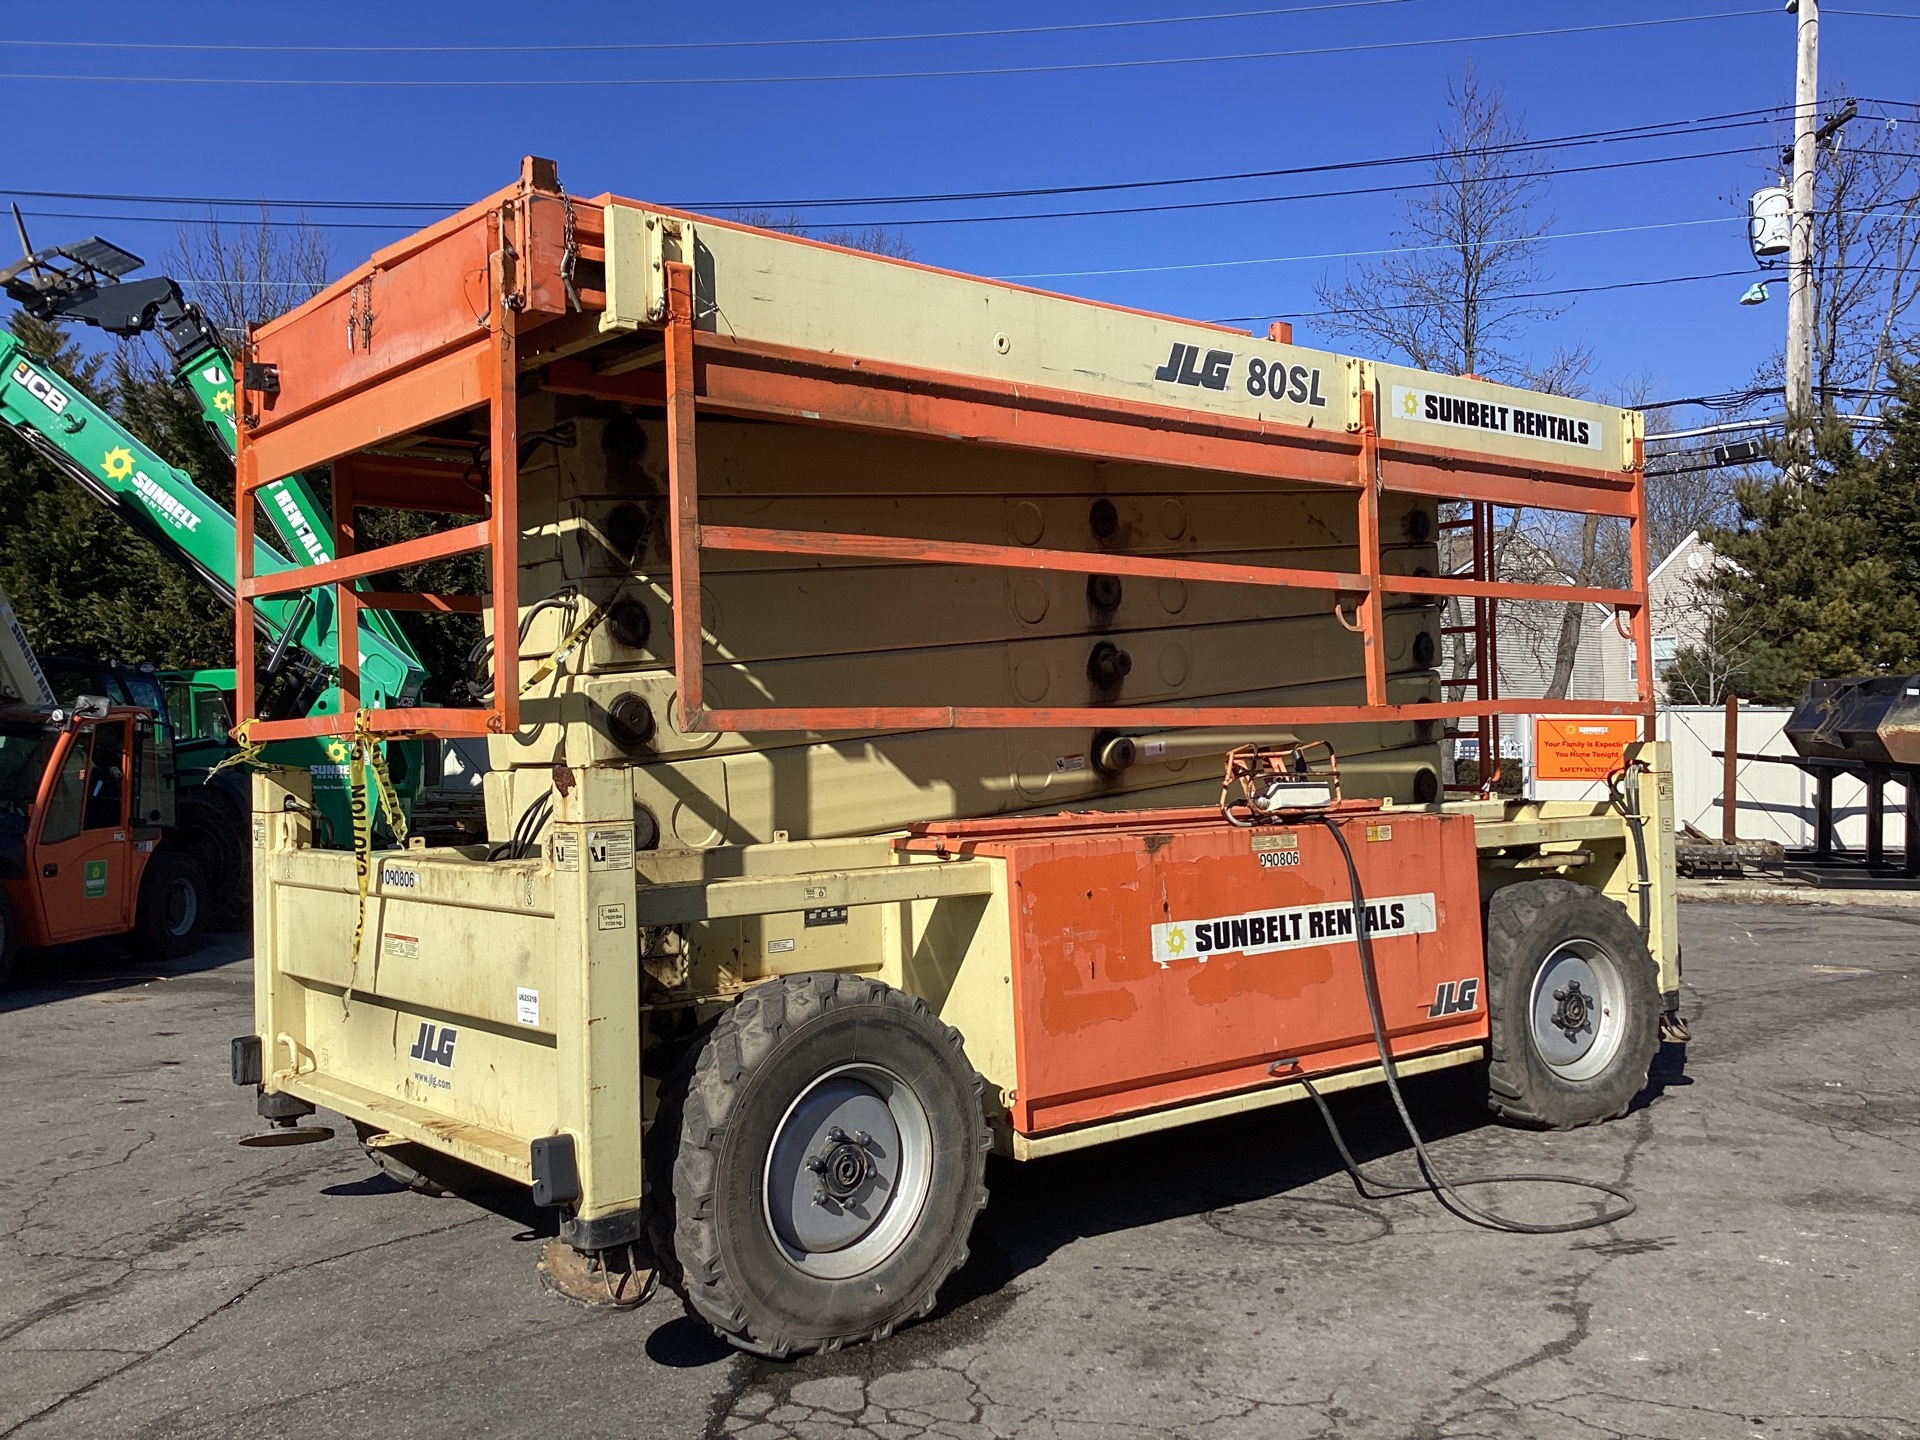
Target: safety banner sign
(1581, 749)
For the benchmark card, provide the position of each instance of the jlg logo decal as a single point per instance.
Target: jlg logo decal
(1455, 997)
(435, 1046)
(1185, 366)
(1211, 373)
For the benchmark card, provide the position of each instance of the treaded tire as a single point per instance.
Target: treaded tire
(709, 1155)
(171, 914)
(9, 938)
(1527, 924)
(214, 833)
(393, 1162)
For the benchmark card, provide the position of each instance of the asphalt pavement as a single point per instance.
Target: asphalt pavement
(159, 1279)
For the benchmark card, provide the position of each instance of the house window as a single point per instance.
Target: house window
(1665, 649)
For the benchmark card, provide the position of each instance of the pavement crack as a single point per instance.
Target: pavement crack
(142, 1357)
(46, 1198)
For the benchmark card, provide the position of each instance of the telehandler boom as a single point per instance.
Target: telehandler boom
(86, 283)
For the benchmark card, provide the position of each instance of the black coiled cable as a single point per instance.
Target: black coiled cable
(1447, 1192)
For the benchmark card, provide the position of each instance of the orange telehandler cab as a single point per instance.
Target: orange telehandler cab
(86, 820)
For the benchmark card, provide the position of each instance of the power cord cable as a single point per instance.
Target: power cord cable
(1446, 1191)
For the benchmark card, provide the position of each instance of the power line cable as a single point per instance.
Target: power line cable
(1731, 120)
(391, 226)
(1896, 212)
(905, 222)
(916, 221)
(1174, 207)
(1569, 291)
(1363, 254)
(364, 82)
(1524, 295)
(666, 45)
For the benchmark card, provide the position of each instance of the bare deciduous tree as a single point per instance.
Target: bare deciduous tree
(1866, 240)
(1726, 640)
(241, 274)
(1866, 263)
(1454, 299)
(876, 239)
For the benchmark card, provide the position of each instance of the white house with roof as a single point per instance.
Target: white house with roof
(1680, 602)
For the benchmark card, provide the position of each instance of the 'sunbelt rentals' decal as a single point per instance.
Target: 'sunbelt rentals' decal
(1299, 927)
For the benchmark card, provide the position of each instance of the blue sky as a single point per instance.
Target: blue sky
(766, 143)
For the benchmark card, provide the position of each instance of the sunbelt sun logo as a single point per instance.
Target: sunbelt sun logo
(118, 464)
(1299, 927)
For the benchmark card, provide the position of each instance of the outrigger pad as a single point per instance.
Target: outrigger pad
(620, 1279)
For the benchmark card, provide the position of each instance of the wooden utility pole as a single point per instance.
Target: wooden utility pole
(1806, 120)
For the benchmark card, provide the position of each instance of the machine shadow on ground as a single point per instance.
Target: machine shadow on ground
(43, 977)
(1209, 1170)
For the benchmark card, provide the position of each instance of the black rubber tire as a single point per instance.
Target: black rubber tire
(1526, 924)
(707, 1152)
(409, 1165)
(214, 833)
(171, 915)
(9, 938)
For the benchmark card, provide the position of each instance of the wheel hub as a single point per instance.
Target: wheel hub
(848, 1170)
(843, 1166)
(1575, 1011)
(180, 907)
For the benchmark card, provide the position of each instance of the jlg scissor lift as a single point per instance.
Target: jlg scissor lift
(868, 645)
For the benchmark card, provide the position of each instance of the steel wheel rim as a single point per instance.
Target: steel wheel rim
(856, 1204)
(182, 906)
(1576, 1014)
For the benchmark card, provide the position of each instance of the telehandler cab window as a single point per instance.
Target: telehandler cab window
(24, 752)
(198, 712)
(69, 793)
(106, 778)
(152, 764)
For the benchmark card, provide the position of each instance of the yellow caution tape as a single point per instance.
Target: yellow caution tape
(248, 753)
(365, 757)
(567, 646)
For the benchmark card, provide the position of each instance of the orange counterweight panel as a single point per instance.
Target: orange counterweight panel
(1177, 958)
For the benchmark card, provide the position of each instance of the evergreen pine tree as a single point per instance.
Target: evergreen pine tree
(1825, 573)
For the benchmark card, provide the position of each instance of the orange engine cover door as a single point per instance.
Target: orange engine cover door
(1156, 968)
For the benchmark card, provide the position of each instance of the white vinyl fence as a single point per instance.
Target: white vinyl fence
(1774, 802)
